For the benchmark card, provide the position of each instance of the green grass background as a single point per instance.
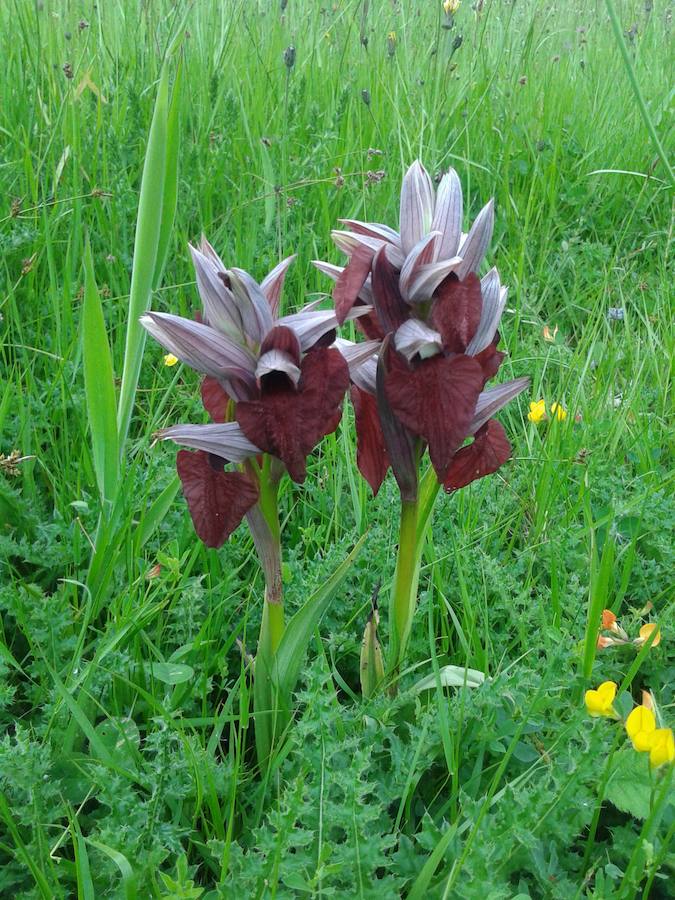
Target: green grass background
(126, 766)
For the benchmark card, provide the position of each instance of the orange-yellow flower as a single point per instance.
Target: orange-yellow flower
(608, 619)
(599, 703)
(662, 749)
(646, 631)
(640, 727)
(603, 642)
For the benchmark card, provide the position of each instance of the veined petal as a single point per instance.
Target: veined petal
(334, 272)
(494, 398)
(390, 307)
(288, 423)
(201, 347)
(365, 375)
(398, 440)
(494, 301)
(227, 441)
(421, 254)
(448, 215)
(355, 354)
(373, 229)
(417, 206)
(272, 284)
(220, 307)
(477, 241)
(311, 326)
(245, 288)
(435, 399)
(489, 450)
(347, 241)
(371, 453)
(456, 311)
(414, 337)
(217, 401)
(217, 500)
(277, 361)
(350, 282)
(427, 278)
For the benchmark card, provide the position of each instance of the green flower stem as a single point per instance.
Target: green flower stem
(404, 594)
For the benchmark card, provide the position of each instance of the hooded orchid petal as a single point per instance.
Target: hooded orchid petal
(227, 441)
(435, 399)
(350, 282)
(494, 398)
(311, 326)
(220, 307)
(422, 253)
(288, 423)
(488, 452)
(272, 284)
(252, 299)
(365, 375)
(494, 301)
(414, 337)
(417, 206)
(477, 241)
(277, 361)
(373, 229)
(201, 347)
(371, 452)
(427, 278)
(448, 215)
(217, 500)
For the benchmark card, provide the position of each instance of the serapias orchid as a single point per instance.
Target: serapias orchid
(273, 386)
(421, 296)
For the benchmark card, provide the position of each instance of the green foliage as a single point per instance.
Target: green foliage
(126, 755)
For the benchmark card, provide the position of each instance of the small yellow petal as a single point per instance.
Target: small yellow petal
(662, 748)
(641, 720)
(559, 412)
(537, 411)
(646, 631)
(170, 359)
(599, 703)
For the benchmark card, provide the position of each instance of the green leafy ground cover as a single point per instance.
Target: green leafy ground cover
(126, 761)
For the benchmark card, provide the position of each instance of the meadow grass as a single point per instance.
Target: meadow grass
(126, 767)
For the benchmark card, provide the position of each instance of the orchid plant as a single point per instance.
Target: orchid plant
(436, 323)
(273, 387)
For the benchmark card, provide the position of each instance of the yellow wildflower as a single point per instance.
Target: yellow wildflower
(451, 6)
(640, 727)
(391, 37)
(599, 703)
(537, 411)
(170, 359)
(646, 631)
(558, 412)
(662, 749)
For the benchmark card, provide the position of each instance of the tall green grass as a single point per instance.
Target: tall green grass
(126, 764)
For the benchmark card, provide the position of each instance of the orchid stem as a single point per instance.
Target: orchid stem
(404, 594)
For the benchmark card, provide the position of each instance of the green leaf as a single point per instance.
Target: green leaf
(629, 787)
(99, 385)
(122, 863)
(291, 653)
(148, 227)
(156, 512)
(170, 194)
(171, 673)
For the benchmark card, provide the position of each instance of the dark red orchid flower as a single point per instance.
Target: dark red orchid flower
(441, 324)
